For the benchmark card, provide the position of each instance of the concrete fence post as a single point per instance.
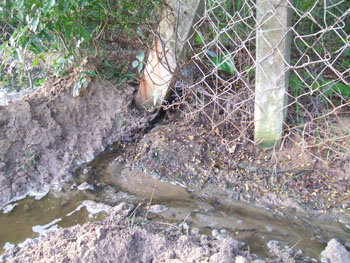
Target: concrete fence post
(168, 51)
(272, 76)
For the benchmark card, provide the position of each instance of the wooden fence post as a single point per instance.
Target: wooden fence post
(272, 76)
(167, 52)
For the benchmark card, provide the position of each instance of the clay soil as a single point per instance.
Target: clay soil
(47, 135)
(289, 178)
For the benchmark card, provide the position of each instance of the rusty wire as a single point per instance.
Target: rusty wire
(217, 84)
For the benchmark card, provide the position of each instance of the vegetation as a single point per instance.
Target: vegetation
(32, 30)
(322, 39)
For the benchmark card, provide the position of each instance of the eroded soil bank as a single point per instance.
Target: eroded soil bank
(46, 135)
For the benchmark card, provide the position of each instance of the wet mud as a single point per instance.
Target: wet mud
(46, 135)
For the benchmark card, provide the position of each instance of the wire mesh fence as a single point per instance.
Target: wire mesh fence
(223, 66)
(217, 85)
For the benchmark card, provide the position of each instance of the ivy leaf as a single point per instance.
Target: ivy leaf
(139, 67)
(90, 73)
(84, 82)
(224, 61)
(135, 63)
(76, 89)
(140, 56)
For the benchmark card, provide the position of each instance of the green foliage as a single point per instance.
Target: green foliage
(223, 61)
(297, 91)
(331, 88)
(199, 39)
(83, 81)
(327, 88)
(220, 41)
(30, 159)
(314, 42)
(72, 28)
(325, 35)
(115, 75)
(138, 63)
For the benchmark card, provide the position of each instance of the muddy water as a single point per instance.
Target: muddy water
(207, 210)
(30, 217)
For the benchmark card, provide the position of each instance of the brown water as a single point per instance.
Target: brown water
(206, 210)
(31, 217)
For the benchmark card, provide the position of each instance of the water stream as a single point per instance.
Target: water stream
(110, 182)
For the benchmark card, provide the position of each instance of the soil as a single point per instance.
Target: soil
(195, 157)
(46, 135)
(122, 238)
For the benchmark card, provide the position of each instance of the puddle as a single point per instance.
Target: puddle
(210, 211)
(108, 181)
(30, 217)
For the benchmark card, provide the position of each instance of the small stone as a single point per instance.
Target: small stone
(171, 254)
(185, 226)
(335, 253)
(156, 209)
(215, 232)
(85, 186)
(86, 170)
(95, 208)
(222, 236)
(268, 228)
(241, 259)
(195, 231)
(299, 253)
(347, 245)
(204, 238)
(8, 246)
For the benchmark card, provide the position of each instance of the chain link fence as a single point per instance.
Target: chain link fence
(223, 66)
(217, 85)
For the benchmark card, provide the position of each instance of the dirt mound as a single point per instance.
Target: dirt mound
(172, 153)
(45, 135)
